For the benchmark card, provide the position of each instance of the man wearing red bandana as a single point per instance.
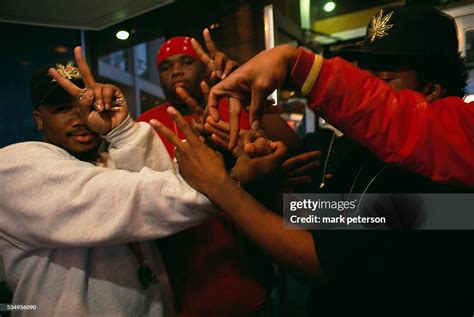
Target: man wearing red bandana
(214, 271)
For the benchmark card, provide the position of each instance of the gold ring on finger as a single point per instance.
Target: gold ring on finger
(117, 101)
(81, 94)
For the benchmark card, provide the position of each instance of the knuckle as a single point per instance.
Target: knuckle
(260, 84)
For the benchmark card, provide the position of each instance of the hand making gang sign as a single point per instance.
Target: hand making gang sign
(102, 107)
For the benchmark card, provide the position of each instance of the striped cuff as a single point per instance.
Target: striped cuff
(306, 70)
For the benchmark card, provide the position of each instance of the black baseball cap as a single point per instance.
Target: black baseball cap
(410, 30)
(45, 90)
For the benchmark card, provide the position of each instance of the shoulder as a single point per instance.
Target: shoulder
(26, 153)
(454, 101)
(154, 113)
(453, 107)
(32, 148)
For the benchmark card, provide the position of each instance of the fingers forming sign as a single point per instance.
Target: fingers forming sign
(200, 166)
(219, 64)
(102, 107)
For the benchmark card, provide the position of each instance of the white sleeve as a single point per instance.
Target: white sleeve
(136, 145)
(50, 199)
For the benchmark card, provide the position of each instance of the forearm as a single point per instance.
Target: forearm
(74, 203)
(292, 248)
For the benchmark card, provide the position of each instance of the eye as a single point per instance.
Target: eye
(164, 66)
(188, 61)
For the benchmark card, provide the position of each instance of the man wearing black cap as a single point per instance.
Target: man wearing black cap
(51, 107)
(75, 220)
(415, 117)
(401, 49)
(417, 46)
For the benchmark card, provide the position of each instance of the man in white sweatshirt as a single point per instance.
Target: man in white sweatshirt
(74, 219)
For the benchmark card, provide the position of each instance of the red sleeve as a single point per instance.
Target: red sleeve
(435, 140)
(159, 113)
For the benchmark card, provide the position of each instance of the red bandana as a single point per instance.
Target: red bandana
(176, 45)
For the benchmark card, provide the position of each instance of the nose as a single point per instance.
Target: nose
(177, 69)
(75, 117)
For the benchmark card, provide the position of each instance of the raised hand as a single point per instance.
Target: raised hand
(201, 167)
(219, 64)
(190, 101)
(101, 106)
(251, 83)
(251, 142)
(199, 124)
(218, 131)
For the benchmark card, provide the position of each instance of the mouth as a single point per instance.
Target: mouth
(181, 84)
(83, 136)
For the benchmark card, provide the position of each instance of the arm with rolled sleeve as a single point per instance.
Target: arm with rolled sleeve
(433, 139)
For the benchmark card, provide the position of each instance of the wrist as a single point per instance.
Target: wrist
(122, 132)
(218, 190)
(234, 178)
(290, 54)
(240, 175)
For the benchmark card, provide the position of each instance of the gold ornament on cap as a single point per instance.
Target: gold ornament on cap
(68, 71)
(379, 27)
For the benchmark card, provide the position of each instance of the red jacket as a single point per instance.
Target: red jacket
(433, 139)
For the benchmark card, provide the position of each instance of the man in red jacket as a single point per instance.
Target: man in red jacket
(399, 127)
(213, 270)
(424, 125)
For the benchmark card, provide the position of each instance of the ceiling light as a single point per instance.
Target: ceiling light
(329, 7)
(61, 49)
(122, 35)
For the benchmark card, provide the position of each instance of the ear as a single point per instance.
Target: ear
(433, 91)
(38, 120)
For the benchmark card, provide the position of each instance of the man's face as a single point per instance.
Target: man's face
(181, 71)
(61, 125)
(394, 71)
